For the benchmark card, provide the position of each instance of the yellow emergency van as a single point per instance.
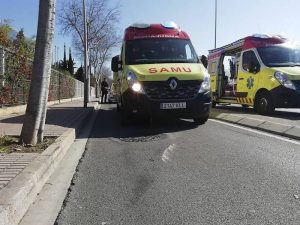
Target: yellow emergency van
(158, 73)
(260, 71)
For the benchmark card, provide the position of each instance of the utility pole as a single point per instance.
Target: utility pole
(86, 72)
(216, 12)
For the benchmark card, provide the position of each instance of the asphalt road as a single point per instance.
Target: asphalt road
(171, 172)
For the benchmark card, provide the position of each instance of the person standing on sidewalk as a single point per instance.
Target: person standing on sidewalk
(104, 90)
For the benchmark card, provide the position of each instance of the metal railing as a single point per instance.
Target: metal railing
(14, 90)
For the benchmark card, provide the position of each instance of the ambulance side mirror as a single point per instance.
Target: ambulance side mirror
(115, 64)
(203, 59)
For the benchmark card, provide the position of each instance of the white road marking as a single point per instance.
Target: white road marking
(258, 132)
(168, 152)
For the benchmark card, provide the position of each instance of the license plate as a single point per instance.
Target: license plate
(173, 105)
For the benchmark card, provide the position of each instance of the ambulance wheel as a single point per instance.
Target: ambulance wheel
(263, 104)
(200, 120)
(126, 115)
(213, 104)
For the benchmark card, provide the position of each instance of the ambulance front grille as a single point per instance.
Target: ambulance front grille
(160, 90)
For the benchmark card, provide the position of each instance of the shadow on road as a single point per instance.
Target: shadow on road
(58, 120)
(55, 116)
(108, 124)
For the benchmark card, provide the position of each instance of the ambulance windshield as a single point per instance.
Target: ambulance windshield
(279, 56)
(160, 50)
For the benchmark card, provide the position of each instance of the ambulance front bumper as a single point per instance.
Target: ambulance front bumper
(285, 98)
(139, 103)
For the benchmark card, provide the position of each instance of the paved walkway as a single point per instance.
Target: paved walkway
(60, 117)
(281, 116)
(12, 164)
(285, 122)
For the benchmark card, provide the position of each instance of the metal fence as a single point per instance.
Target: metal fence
(14, 91)
(63, 86)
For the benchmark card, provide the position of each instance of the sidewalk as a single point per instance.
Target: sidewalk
(22, 174)
(284, 122)
(60, 117)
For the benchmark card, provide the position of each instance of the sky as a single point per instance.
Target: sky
(235, 18)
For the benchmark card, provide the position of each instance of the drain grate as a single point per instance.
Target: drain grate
(141, 139)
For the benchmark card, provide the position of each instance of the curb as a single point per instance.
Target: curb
(21, 192)
(285, 130)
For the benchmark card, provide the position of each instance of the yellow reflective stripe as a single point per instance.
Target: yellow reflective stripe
(247, 101)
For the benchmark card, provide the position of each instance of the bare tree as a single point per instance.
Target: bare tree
(106, 72)
(101, 30)
(101, 20)
(34, 120)
(99, 55)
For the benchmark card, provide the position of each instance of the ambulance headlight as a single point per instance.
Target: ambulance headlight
(284, 80)
(133, 83)
(137, 87)
(205, 85)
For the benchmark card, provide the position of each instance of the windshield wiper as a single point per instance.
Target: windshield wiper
(163, 61)
(178, 61)
(296, 64)
(290, 64)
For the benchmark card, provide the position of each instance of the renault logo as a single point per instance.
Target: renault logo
(173, 84)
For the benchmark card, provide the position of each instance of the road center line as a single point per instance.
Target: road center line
(258, 132)
(168, 152)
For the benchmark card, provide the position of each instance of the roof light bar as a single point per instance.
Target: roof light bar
(170, 25)
(140, 25)
(261, 36)
(281, 36)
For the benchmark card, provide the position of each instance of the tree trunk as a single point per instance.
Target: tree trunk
(97, 89)
(35, 116)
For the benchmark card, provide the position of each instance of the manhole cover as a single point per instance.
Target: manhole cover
(141, 139)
